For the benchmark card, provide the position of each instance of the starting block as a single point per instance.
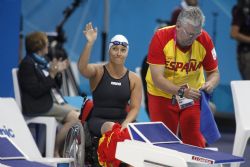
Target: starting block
(17, 146)
(10, 155)
(153, 144)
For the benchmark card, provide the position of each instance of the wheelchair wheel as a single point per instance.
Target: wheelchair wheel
(74, 146)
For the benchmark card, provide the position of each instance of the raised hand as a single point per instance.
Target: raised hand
(90, 32)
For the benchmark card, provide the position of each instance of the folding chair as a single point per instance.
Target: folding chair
(49, 122)
(240, 92)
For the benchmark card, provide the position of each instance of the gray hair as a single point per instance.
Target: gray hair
(191, 15)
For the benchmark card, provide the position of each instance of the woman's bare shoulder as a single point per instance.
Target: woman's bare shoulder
(134, 77)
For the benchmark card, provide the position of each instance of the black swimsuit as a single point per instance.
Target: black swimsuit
(110, 99)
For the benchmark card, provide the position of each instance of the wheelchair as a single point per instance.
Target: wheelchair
(80, 144)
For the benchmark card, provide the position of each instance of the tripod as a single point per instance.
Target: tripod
(56, 50)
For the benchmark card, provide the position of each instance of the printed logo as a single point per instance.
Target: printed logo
(193, 65)
(6, 132)
(201, 159)
(116, 83)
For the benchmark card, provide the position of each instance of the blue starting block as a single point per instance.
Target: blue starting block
(156, 138)
(10, 155)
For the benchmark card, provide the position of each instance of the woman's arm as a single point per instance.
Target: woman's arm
(86, 69)
(135, 99)
(235, 33)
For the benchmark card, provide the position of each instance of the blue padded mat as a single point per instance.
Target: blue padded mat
(157, 133)
(135, 136)
(8, 150)
(218, 157)
(22, 163)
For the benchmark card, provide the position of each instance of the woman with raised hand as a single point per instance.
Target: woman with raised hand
(114, 87)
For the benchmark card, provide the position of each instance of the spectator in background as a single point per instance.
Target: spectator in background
(179, 57)
(40, 82)
(240, 31)
(184, 4)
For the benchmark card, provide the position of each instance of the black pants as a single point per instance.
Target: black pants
(244, 64)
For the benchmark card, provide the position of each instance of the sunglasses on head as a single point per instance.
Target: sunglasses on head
(125, 44)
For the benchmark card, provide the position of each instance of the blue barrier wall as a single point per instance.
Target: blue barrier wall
(10, 11)
(136, 19)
